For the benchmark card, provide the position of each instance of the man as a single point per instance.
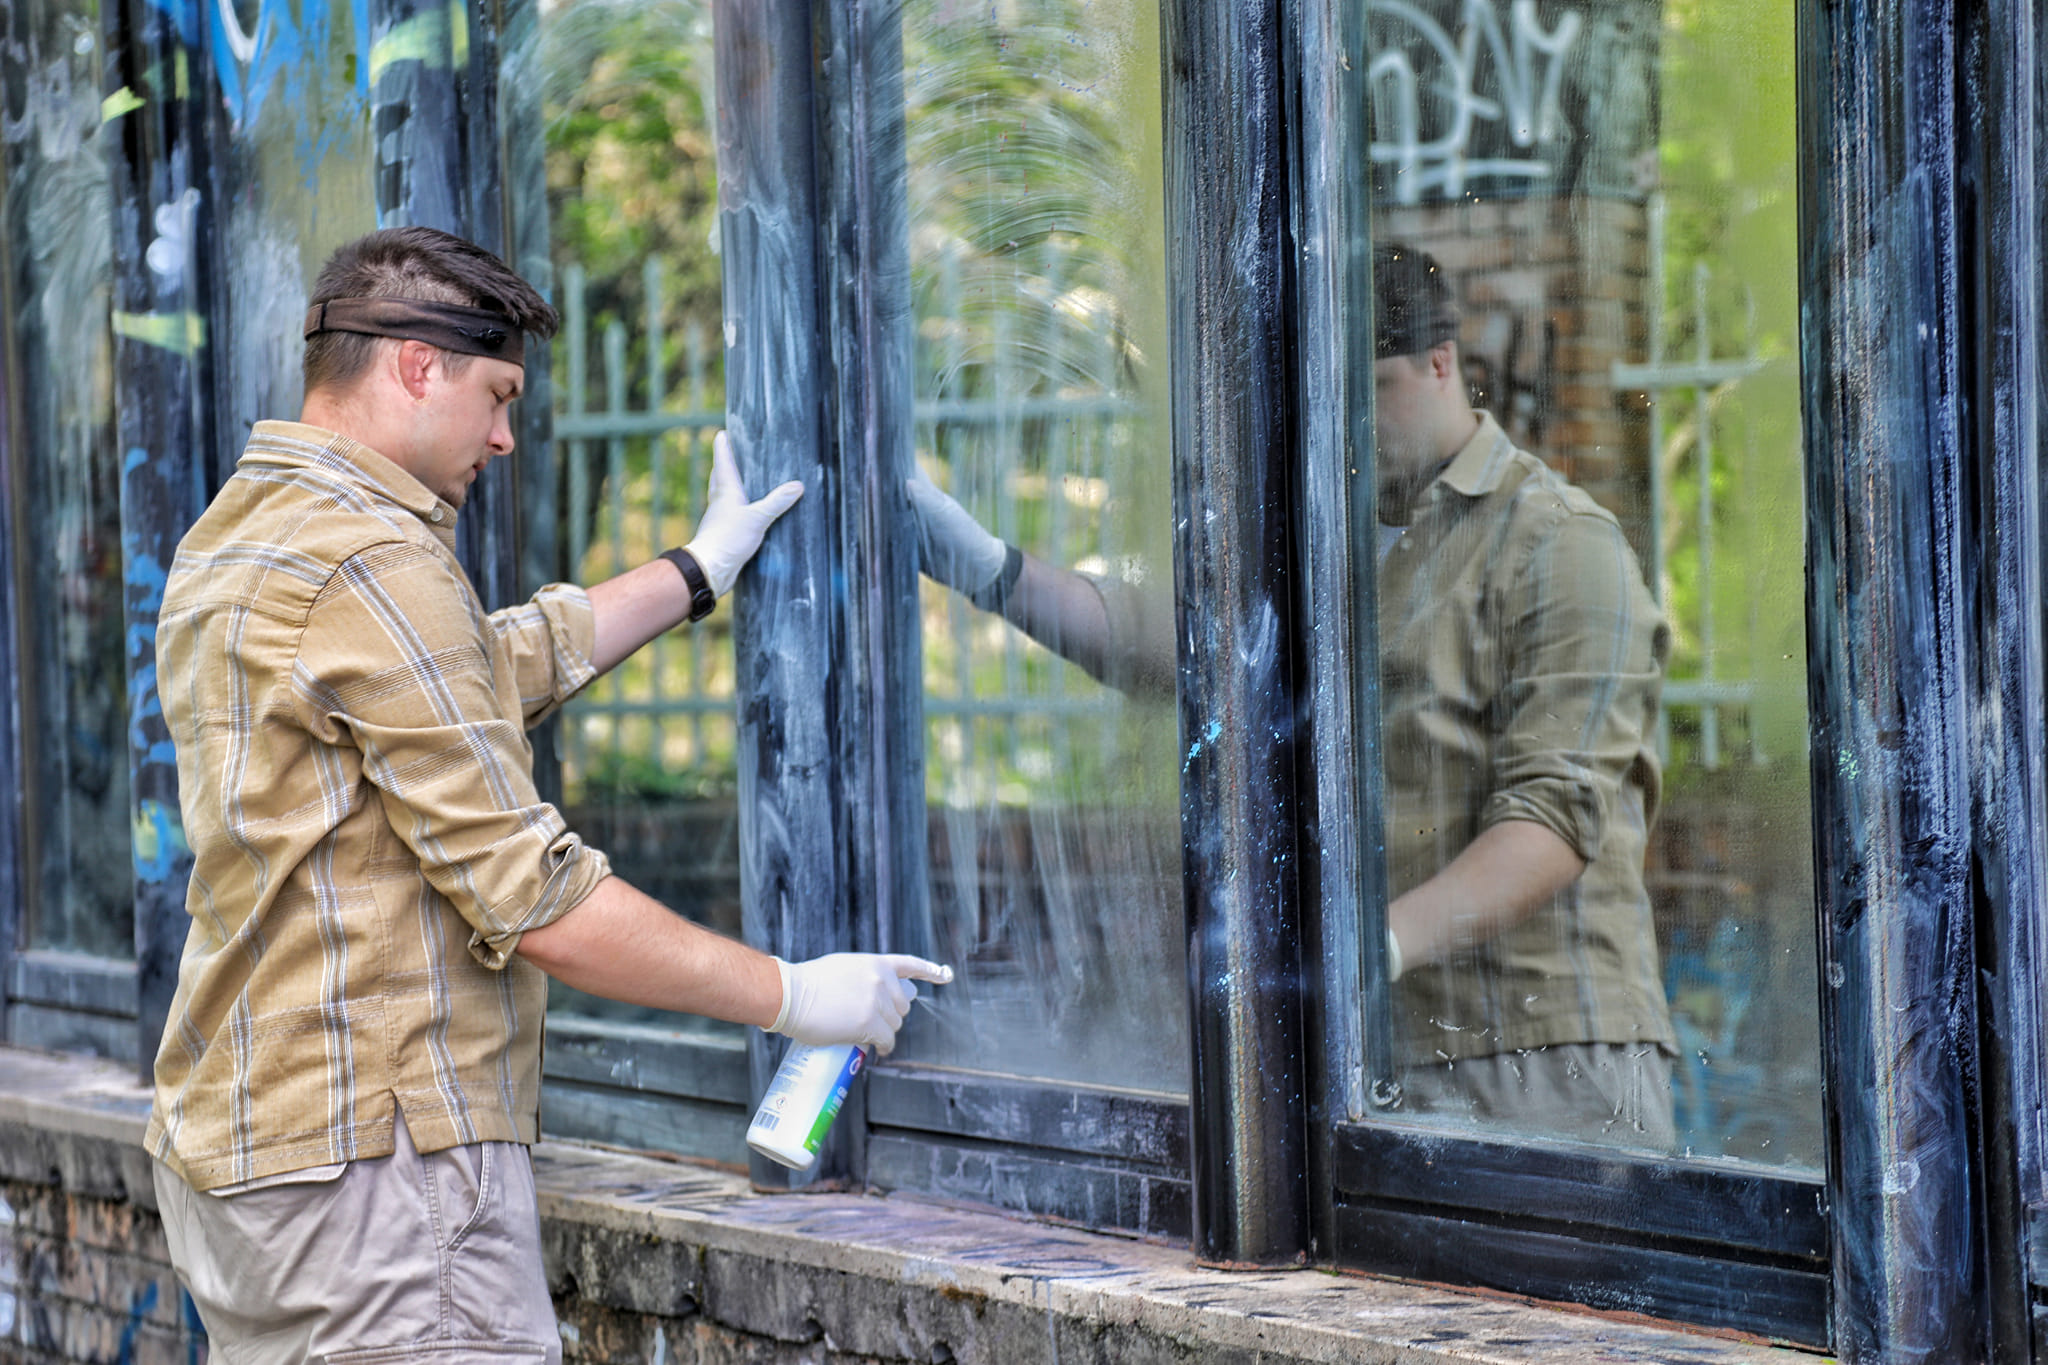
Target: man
(1521, 659)
(350, 1077)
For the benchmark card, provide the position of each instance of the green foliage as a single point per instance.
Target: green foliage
(1730, 190)
(632, 171)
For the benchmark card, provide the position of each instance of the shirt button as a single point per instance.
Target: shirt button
(435, 516)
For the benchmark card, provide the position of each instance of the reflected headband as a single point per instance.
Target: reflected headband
(1412, 307)
(467, 331)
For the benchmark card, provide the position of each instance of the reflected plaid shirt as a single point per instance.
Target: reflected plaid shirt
(1521, 659)
(358, 795)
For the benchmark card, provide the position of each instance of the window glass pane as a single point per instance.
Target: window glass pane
(59, 261)
(647, 753)
(1592, 654)
(1035, 205)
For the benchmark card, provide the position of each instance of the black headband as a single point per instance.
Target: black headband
(1412, 305)
(469, 331)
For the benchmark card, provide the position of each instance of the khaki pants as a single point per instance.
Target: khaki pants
(405, 1257)
(1617, 1095)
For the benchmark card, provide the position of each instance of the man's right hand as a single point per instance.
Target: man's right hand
(952, 547)
(851, 997)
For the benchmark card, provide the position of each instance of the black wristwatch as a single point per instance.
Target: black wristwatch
(703, 601)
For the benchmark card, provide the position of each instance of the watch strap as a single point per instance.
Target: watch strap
(703, 601)
(997, 592)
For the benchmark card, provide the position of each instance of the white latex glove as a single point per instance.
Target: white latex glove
(952, 546)
(851, 997)
(732, 527)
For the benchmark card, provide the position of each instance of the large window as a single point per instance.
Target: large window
(66, 484)
(609, 112)
(1038, 377)
(1584, 658)
(66, 971)
(1622, 678)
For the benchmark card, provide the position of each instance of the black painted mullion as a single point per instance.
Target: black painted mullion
(778, 404)
(2000, 166)
(164, 336)
(1344, 878)
(1228, 208)
(13, 778)
(865, 231)
(1882, 349)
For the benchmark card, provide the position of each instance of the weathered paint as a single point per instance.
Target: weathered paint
(1227, 206)
(433, 81)
(2001, 74)
(1886, 346)
(864, 228)
(786, 617)
(163, 372)
(1344, 881)
(12, 777)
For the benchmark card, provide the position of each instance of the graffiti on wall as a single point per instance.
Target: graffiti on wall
(1467, 94)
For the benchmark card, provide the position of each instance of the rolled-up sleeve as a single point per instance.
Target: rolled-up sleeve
(1138, 656)
(1584, 650)
(551, 637)
(395, 662)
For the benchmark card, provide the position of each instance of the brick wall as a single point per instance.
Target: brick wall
(84, 1273)
(676, 1264)
(1527, 176)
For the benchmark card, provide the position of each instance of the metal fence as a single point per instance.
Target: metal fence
(636, 456)
(1690, 388)
(636, 449)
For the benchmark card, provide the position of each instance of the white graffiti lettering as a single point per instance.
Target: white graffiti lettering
(1525, 61)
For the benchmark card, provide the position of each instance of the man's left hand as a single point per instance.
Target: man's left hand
(732, 527)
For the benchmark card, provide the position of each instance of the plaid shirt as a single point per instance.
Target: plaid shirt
(1521, 659)
(368, 846)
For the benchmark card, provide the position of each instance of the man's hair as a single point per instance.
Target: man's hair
(424, 264)
(1413, 311)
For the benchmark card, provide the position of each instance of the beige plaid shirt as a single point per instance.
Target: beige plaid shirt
(1521, 659)
(368, 846)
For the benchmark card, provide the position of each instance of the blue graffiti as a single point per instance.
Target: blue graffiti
(161, 852)
(144, 705)
(141, 570)
(195, 1330)
(288, 43)
(145, 1301)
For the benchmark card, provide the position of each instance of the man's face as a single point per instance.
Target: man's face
(1419, 406)
(463, 422)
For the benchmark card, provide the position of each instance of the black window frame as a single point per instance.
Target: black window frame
(1927, 1236)
(1912, 116)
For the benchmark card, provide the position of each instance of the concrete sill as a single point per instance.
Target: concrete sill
(687, 1263)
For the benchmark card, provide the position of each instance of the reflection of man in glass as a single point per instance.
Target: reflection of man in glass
(1520, 663)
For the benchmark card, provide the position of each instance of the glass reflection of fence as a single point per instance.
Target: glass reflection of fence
(1727, 877)
(1701, 378)
(633, 484)
(633, 433)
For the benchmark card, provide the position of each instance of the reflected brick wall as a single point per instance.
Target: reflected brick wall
(1518, 145)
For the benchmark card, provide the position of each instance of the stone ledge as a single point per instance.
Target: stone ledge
(896, 1278)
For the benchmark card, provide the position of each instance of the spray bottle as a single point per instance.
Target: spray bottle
(806, 1095)
(803, 1099)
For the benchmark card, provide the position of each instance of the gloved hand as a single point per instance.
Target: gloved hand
(851, 997)
(952, 546)
(732, 527)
